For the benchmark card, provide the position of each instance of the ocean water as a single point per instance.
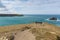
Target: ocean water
(4, 21)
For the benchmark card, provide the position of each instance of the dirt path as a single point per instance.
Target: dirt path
(25, 35)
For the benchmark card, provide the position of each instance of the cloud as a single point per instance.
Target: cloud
(33, 6)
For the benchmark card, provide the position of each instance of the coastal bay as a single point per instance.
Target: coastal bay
(26, 19)
(29, 27)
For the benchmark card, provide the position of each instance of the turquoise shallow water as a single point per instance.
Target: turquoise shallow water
(28, 19)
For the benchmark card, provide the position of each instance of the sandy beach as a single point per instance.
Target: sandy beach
(29, 32)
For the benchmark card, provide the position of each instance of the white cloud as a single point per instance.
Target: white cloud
(33, 6)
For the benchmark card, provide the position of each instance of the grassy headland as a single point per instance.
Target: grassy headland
(42, 31)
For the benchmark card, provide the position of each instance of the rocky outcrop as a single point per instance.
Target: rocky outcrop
(53, 18)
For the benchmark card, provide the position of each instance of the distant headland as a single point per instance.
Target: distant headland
(3, 15)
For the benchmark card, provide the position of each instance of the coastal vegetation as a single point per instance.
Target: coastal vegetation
(33, 31)
(3, 15)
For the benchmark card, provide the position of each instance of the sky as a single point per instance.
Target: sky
(32, 6)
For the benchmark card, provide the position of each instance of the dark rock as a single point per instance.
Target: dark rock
(53, 18)
(39, 22)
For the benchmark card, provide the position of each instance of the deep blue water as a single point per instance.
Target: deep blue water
(4, 21)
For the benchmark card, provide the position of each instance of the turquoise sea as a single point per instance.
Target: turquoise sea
(4, 21)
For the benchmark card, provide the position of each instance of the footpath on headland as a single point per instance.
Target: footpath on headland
(45, 30)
